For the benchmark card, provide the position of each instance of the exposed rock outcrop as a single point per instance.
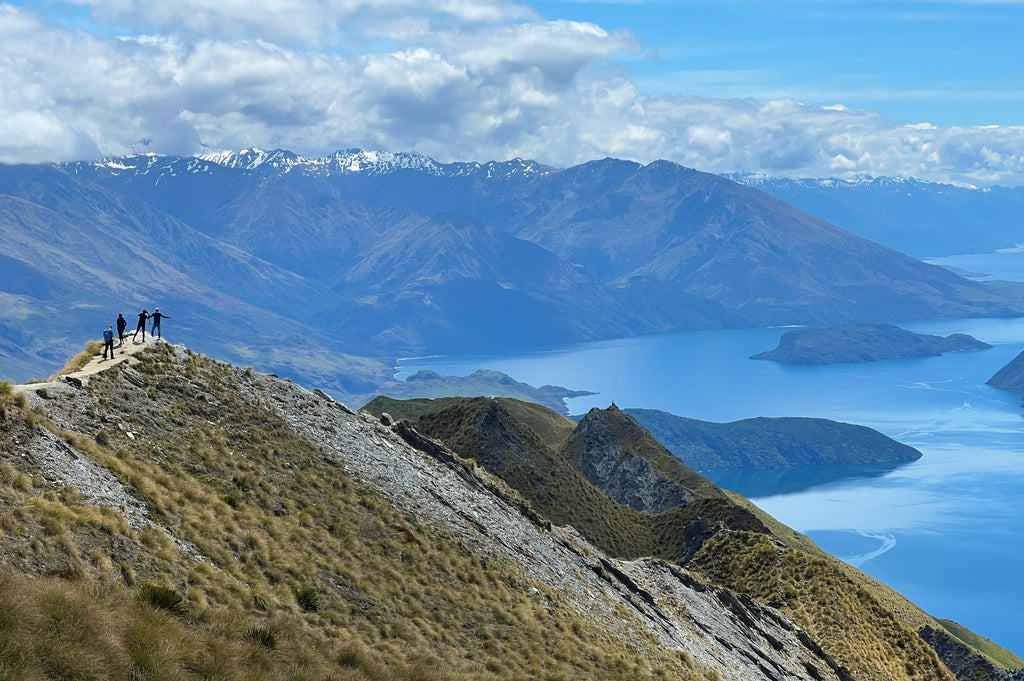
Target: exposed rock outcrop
(965, 663)
(604, 457)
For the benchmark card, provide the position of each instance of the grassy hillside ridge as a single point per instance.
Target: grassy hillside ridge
(306, 573)
(486, 431)
(173, 517)
(852, 624)
(992, 650)
(855, 618)
(502, 435)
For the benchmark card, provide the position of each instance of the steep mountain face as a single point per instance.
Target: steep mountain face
(176, 517)
(923, 219)
(456, 283)
(770, 442)
(78, 255)
(606, 476)
(662, 233)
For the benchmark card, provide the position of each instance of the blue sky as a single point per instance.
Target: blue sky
(947, 63)
(797, 88)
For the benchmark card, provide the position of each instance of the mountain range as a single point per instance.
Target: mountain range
(327, 269)
(922, 219)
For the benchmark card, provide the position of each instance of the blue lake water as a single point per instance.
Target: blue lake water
(946, 530)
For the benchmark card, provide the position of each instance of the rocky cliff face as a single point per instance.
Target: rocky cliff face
(630, 479)
(965, 662)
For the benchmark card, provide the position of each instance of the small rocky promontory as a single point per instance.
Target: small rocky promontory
(863, 343)
(1010, 377)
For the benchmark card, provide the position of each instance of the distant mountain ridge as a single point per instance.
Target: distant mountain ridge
(280, 161)
(377, 256)
(920, 218)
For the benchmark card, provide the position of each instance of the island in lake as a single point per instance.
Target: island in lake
(863, 343)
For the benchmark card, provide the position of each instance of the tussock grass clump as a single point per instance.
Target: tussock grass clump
(11, 405)
(92, 349)
(162, 597)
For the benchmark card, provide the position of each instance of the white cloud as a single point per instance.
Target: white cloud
(481, 80)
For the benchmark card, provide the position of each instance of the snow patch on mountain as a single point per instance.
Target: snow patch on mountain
(280, 163)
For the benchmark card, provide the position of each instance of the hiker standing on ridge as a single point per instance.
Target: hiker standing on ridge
(156, 317)
(143, 316)
(122, 324)
(108, 341)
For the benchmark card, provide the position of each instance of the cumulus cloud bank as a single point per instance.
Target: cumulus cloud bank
(456, 80)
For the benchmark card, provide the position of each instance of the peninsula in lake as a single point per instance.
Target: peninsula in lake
(764, 443)
(863, 343)
(1010, 377)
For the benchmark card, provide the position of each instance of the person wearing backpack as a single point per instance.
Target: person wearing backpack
(108, 341)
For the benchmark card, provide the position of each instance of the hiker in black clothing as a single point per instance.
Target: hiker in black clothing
(156, 317)
(108, 341)
(122, 324)
(143, 316)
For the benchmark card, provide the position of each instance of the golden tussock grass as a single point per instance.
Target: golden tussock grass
(92, 349)
(845, 618)
(305, 574)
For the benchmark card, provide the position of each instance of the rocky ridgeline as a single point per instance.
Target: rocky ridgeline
(728, 633)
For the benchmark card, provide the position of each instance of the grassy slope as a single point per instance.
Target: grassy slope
(487, 431)
(864, 625)
(994, 652)
(310, 575)
(852, 625)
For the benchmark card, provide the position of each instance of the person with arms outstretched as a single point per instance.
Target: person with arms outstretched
(156, 317)
(143, 316)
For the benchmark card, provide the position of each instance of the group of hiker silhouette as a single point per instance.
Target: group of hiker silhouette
(122, 324)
